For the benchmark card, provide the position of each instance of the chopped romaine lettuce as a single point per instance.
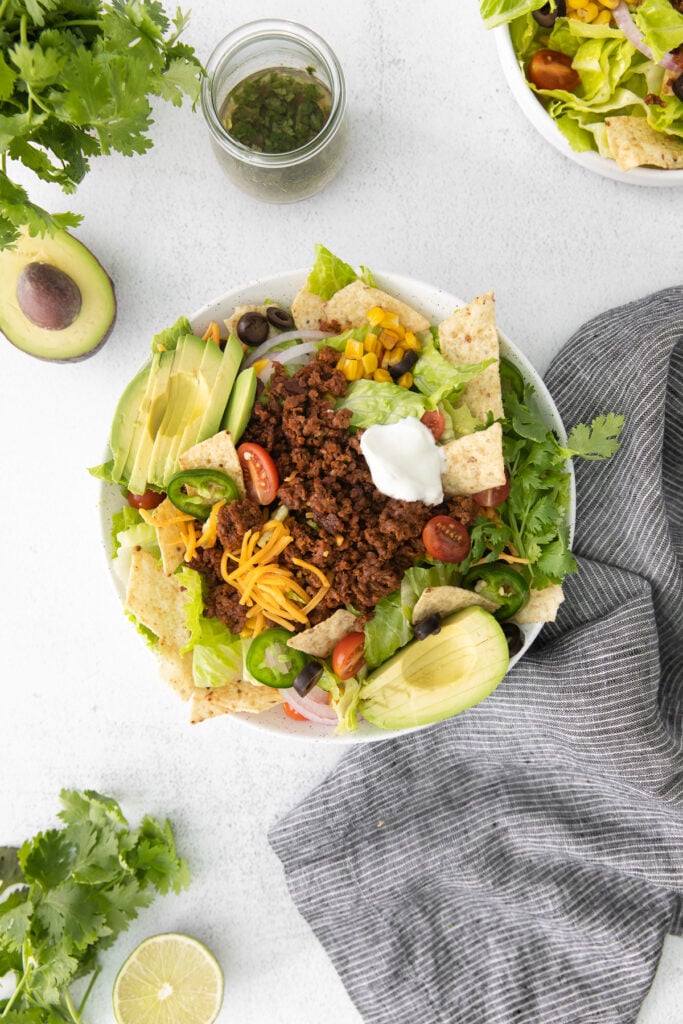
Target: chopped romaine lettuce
(438, 379)
(661, 25)
(329, 274)
(168, 338)
(216, 653)
(373, 402)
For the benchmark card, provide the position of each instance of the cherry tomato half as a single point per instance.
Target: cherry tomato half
(435, 421)
(348, 656)
(293, 713)
(446, 538)
(494, 495)
(550, 69)
(148, 500)
(261, 477)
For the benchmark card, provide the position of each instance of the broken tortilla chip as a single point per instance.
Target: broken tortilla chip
(445, 601)
(156, 600)
(166, 520)
(238, 696)
(470, 335)
(542, 605)
(474, 462)
(217, 452)
(176, 669)
(308, 310)
(634, 143)
(320, 640)
(350, 305)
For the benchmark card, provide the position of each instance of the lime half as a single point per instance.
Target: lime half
(168, 979)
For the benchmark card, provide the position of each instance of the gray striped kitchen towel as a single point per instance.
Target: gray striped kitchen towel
(523, 861)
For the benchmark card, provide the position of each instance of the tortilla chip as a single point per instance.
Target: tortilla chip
(634, 143)
(176, 669)
(156, 600)
(542, 605)
(350, 305)
(217, 452)
(320, 640)
(164, 518)
(238, 696)
(231, 322)
(446, 600)
(308, 310)
(474, 462)
(470, 335)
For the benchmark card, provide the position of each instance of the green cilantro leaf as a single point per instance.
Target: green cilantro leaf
(83, 884)
(600, 440)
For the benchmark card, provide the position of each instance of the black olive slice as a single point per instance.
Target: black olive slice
(546, 16)
(307, 678)
(427, 626)
(252, 328)
(403, 365)
(280, 318)
(514, 636)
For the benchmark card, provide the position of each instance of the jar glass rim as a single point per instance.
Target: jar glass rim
(277, 30)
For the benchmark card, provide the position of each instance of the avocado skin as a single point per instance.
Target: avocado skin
(433, 679)
(95, 321)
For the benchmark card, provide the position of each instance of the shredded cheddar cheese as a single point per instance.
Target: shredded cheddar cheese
(267, 588)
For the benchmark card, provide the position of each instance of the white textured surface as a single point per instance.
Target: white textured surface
(445, 182)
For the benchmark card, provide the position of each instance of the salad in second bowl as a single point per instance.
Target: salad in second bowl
(608, 72)
(337, 512)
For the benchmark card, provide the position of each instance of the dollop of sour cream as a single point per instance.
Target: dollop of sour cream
(404, 460)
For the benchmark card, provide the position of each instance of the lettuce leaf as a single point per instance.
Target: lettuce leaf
(168, 338)
(499, 12)
(329, 274)
(373, 402)
(216, 653)
(438, 379)
(661, 25)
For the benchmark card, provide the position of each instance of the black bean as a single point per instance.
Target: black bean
(252, 328)
(677, 86)
(404, 365)
(280, 318)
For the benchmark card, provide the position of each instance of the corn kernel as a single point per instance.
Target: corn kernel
(588, 13)
(576, 4)
(394, 356)
(375, 315)
(259, 365)
(353, 369)
(353, 349)
(405, 380)
(611, 5)
(372, 344)
(341, 363)
(390, 320)
(411, 342)
(370, 362)
(381, 376)
(603, 18)
(389, 338)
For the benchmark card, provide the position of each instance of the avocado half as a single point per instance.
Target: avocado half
(56, 300)
(436, 678)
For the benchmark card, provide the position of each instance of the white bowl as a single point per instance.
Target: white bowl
(436, 305)
(543, 122)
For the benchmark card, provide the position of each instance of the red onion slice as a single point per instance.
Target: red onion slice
(313, 706)
(625, 22)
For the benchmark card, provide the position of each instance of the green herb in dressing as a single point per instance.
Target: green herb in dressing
(277, 110)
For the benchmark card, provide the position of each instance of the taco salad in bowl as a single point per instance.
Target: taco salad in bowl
(339, 505)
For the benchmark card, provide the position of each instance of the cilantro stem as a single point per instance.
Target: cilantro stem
(3, 7)
(75, 1015)
(17, 992)
(88, 990)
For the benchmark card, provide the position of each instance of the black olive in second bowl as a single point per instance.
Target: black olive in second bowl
(307, 678)
(252, 328)
(546, 16)
(428, 626)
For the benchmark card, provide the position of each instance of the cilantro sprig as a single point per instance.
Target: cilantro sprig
(76, 77)
(533, 519)
(65, 896)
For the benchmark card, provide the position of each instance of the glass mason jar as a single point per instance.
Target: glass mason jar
(285, 47)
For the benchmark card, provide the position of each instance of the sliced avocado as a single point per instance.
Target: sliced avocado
(240, 404)
(184, 400)
(194, 432)
(56, 300)
(432, 679)
(137, 463)
(127, 419)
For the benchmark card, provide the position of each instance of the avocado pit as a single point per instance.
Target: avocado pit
(47, 296)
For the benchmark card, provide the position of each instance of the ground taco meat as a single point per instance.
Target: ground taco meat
(339, 520)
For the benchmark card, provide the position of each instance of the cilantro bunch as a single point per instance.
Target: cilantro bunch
(76, 77)
(72, 890)
(533, 519)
